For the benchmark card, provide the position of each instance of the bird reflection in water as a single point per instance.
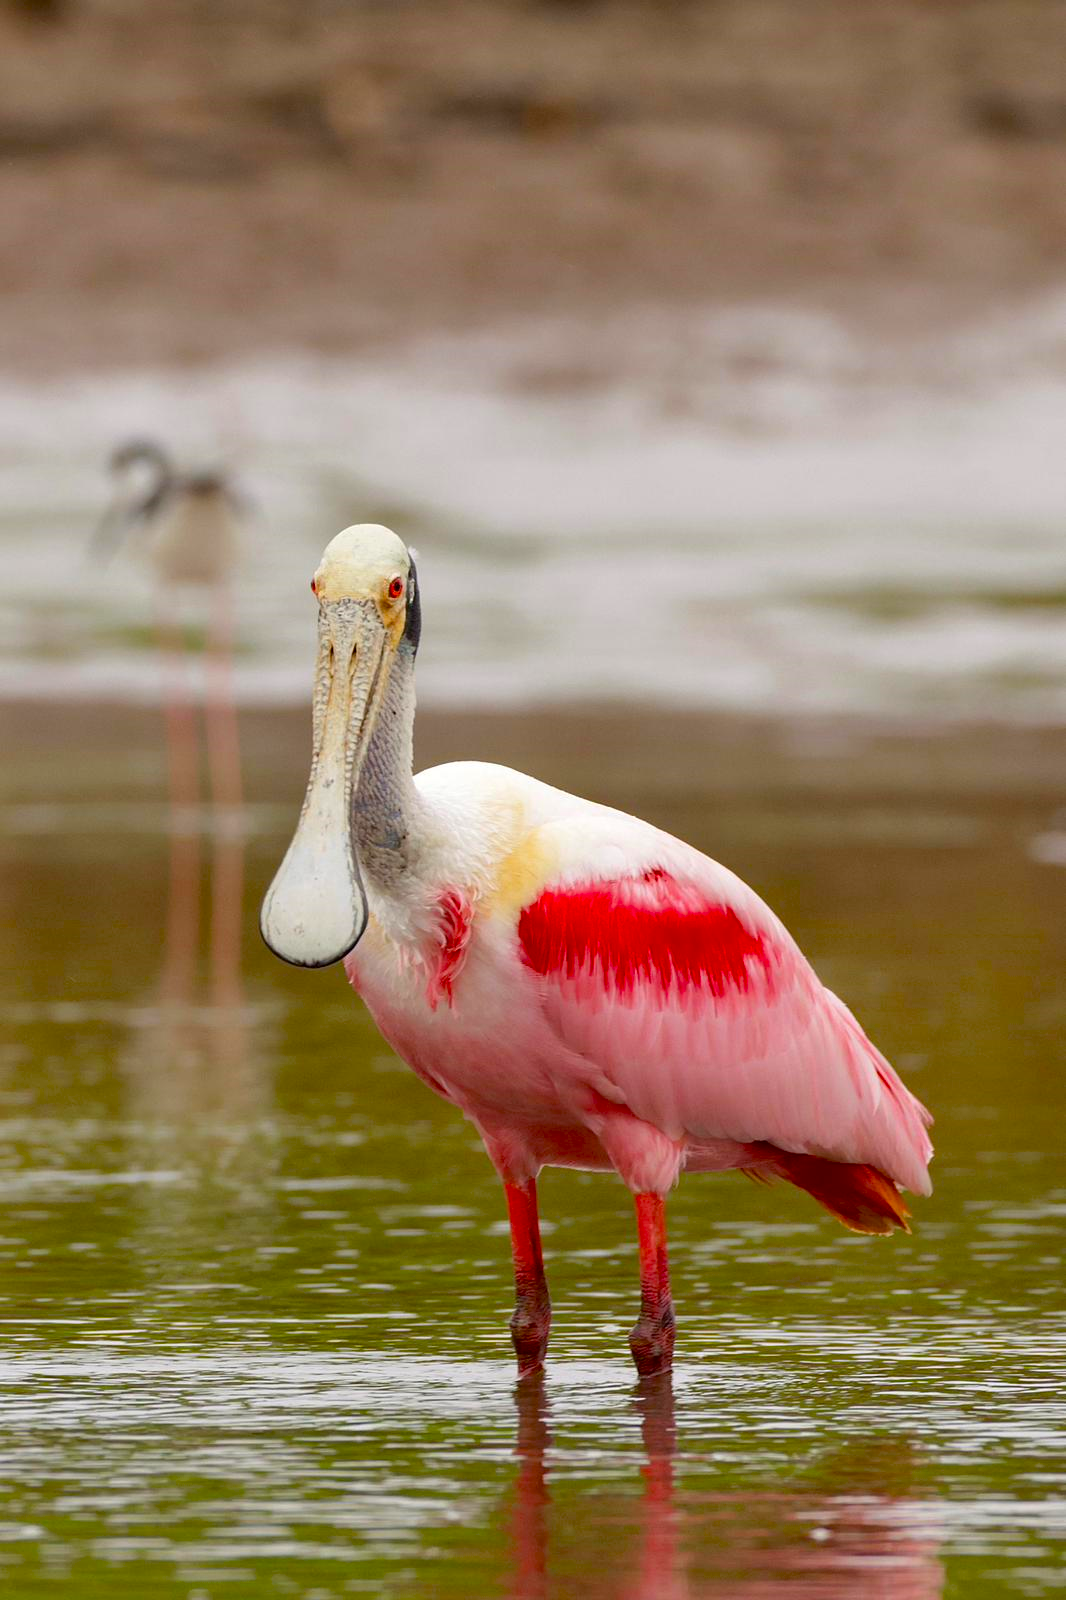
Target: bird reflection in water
(688, 1545)
(188, 529)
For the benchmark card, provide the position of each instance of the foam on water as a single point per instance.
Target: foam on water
(747, 509)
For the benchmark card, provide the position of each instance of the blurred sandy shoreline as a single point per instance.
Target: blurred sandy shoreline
(182, 183)
(94, 752)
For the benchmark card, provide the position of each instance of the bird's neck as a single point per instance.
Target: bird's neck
(156, 483)
(385, 807)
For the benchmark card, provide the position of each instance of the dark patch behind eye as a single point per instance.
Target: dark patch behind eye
(413, 626)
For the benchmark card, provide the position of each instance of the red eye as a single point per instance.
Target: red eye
(395, 588)
(314, 587)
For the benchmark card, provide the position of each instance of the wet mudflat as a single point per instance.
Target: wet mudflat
(254, 1278)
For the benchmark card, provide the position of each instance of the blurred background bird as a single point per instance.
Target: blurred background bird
(186, 526)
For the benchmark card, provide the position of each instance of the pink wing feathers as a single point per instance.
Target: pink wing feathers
(693, 1000)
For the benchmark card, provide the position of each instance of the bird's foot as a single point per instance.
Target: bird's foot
(530, 1325)
(652, 1341)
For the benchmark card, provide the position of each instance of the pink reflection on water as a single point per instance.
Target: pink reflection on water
(668, 1544)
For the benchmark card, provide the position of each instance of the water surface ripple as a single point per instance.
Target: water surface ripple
(254, 1279)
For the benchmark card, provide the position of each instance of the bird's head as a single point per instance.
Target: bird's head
(315, 910)
(140, 461)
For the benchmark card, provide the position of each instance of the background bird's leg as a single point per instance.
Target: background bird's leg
(224, 764)
(652, 1339)
(183, 758)
(532, 1312)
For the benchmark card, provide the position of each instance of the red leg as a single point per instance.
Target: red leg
(652, 1340)
(532, 1312)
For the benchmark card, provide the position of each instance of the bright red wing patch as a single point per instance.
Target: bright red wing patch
(650, 930)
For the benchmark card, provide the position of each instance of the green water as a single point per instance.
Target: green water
(254, 1278)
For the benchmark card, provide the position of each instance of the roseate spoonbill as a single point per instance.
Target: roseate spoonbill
(589, 991)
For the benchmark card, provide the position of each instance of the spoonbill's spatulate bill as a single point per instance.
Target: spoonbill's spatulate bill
(589, 991)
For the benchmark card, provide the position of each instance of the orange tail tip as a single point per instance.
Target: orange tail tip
(859, 1196)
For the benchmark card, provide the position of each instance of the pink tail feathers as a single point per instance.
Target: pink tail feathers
(898, 1127)
(861, 1195)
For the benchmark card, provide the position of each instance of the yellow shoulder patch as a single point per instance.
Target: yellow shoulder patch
(522, 873)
